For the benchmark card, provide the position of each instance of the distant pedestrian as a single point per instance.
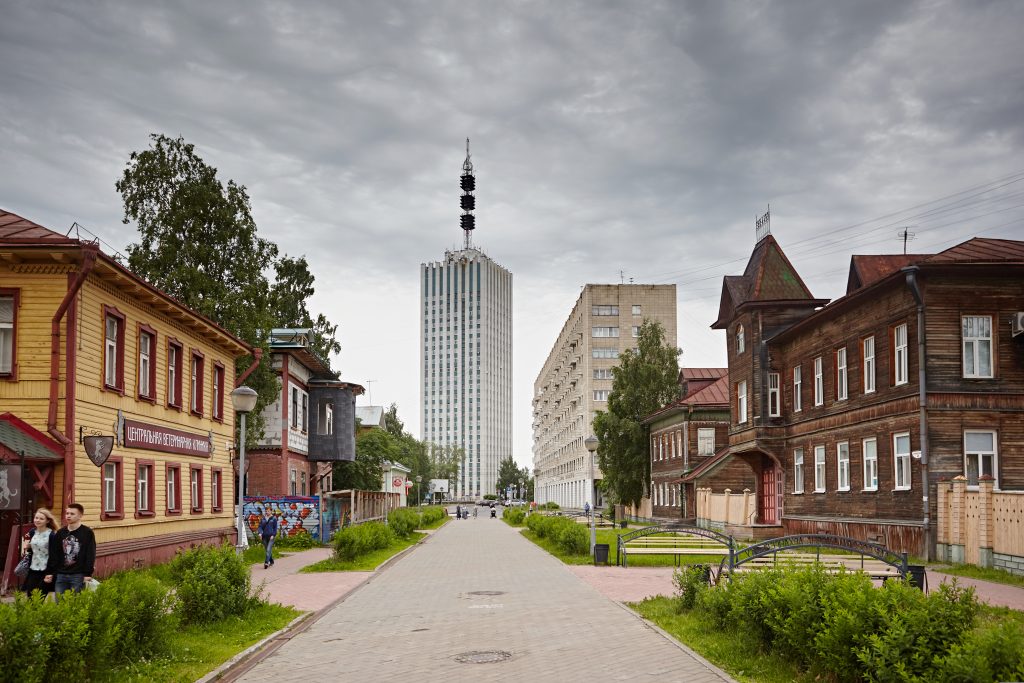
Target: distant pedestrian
(458, 512)
(72, 553)
(37, 544)
(586, 508)
(267, 532)
(474, 513)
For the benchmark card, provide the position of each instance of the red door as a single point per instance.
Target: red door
(768, 503)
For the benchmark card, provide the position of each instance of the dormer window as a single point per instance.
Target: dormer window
(741, 342)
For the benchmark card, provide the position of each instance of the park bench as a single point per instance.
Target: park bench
(677, 541)
(832, 553)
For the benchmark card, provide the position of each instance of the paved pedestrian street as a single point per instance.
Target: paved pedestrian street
(477, 602)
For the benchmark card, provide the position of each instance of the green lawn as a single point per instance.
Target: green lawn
(365, 563)
(611, 536)
(974, 572)
(194, 651)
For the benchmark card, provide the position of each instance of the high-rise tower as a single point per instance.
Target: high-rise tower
(466, 354)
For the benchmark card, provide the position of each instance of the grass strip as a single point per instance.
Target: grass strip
(364, 563)
(611, 536)
(194, 651)
(971, 571)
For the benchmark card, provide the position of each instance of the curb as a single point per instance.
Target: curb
(245, 660)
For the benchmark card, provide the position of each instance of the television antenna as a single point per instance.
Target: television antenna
(906, 236)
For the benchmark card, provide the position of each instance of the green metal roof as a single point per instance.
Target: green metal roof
(18, 441)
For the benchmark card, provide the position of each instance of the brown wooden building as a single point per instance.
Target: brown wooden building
(844, 427)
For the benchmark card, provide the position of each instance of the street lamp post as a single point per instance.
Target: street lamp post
(419, 501)
(591, 443)
(243, 400)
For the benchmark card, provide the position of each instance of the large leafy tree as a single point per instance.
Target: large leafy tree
(645, 380)
(508, 474)
(292, 288)
(374, 447)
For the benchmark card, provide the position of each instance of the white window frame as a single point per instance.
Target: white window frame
(110, 332)
(819, 383)
(7, 334)
(214, 489)
(869, 453)
(604, 332)
(901, 462)
(819, 469)
(145, 358)
(843, 466)
(977, 453)
(841, 376)
(798, 470)
(798, 384)
(900, 364)
(142, 484)
(972, 341)
(636, 309)
(604, 309)
(601, 394)
(868, 346)
(194, 383)
(741, 402)
(705, 435)
(774, 399)
(195, 483)
(636, 331)
(110, 488)
(603, 373)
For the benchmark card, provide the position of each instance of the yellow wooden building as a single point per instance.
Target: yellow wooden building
(89, 349)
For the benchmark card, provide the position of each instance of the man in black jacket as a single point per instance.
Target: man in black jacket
(72, 553)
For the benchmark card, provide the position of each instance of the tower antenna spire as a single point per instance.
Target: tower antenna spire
(468, 202)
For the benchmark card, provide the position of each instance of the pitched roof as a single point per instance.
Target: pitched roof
(868, 269)
(981, 250)
(370, 416)
(703, 373)
(15, 229)
(715, 394)
(768, 277)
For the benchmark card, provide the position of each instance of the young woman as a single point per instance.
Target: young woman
(37, 542)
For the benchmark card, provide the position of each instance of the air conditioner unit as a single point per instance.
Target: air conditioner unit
(1017, 323)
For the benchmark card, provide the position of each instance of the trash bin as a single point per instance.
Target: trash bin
(916, 576)
(623, 523)
(600, 553)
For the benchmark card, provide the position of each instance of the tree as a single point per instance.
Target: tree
(508, 474)
(391, 422)
(645, 381)
(292, 288)
(374, 447)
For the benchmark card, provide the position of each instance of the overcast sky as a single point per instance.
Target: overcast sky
(608, 137)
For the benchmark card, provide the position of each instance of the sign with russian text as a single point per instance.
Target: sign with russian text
(164, 439)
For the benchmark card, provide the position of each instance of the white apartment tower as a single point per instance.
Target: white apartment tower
(466, 355)
(577, 377)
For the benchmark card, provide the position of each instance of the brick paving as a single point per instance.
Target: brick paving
(476, 586)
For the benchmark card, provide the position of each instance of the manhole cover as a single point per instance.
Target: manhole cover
(486, 593)
(483, 656)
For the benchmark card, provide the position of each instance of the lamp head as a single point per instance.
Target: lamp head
(243, 399)
(591, 443)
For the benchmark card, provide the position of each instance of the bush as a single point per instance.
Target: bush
(354, 541)
(145, 614)
(690, 580)
(551, 505)
(993, 653)
(432, 515)
(572, 538)
(211, 584)
(303, 540)
(515, 516)
(403, 521)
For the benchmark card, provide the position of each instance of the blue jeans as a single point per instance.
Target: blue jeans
(63, 582)
(268, 543)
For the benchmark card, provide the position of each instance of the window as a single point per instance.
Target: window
(899, 337)
(636, 309)
(8, 329)
(636, 331)
(603, 373)
(773, 394)
(111, 503)
(196, 487)
(870, 452)
(841, 374)
(798, 470)
(819, 384)
(113, 349)
(869, 365)
(979, 455)
(291, 482)
(147, 366)
(843, 465)
(197, 383)
(604, 310)
(305, 412)
(302, 479)
(741, 342)
(901, 460)
(604, 331)
(174, 489)
(601, 394)
(218, 391)
(174, 374)
(741, 402)
(819, 469)
(602, 352)
(706, 441)
(325, 421)
(977, 341)
(216, 491)
(144, 504)
(798, 401)
(294, 407)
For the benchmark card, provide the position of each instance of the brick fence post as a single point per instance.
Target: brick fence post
(986, 523)
(958, 512)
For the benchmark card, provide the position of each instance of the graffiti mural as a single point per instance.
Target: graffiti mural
(295, 514)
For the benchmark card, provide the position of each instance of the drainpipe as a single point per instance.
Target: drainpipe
(915, 290)
(89, 253)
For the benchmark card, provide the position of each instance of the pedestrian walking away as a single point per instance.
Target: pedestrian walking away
(458, 512)
(36, 543)
(72, 553)
(586, 508)
(267, 532)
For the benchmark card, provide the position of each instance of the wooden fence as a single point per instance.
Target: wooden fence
(718, 509)
(980, 526)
